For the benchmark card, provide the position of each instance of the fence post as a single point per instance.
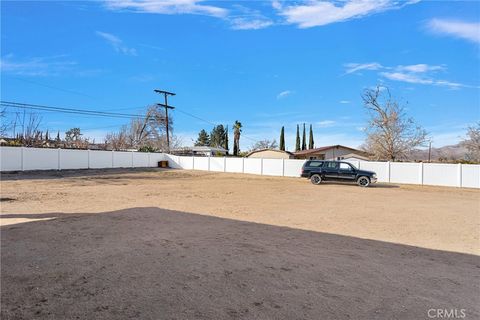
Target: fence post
(224, 164)
(21, 159)
(388, 171)
(58, 159)
(261, 166)
(209, 162)
(113, 162)
(193, 162)
(148, 159)
(88, 159)
(243, 164)
(420, 174)
(459, 182)
(283, 167)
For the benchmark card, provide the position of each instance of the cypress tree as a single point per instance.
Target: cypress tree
(304, 139)
(311, 143)
(282, 139)
(226, 139)
(297, 142)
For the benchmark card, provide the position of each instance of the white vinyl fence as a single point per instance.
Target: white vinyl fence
(21, 159)
(438, 174)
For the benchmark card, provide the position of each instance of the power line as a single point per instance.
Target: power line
(69, 110)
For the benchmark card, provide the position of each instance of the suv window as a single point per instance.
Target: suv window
(331, 165)
(317, 164)
(345, 166)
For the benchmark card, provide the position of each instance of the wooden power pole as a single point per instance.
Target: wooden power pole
(166, 106)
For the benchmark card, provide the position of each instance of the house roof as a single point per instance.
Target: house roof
(316, 150)
(260, 150)
(208, 149)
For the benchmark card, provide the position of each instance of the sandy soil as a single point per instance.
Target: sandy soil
(102, 245)
(430, 217)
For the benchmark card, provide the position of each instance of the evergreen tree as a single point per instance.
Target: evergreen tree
(58, 140)
(311, 143)
(203, 139)
(226, 140)
(282, 139)
(47, 138)
(297, 142)
(304, 139)
(217, 136)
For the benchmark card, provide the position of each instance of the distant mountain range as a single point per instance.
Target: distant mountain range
(446, 153)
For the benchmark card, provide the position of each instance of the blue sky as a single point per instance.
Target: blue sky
(266, 63)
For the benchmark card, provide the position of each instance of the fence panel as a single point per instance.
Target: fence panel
(293, 168)
(217, 164)
(155, 157)
(11, 158)
(471, 175)
(40, 159)
(140, 160)
(234, 165)
(201, 163)
(101, 159)
(252, 165)
(122, 159)
(405, 172)
(185, 162)
(73, 159)
(173, 161)
(273, 167)
(441, 174)
(380, 168)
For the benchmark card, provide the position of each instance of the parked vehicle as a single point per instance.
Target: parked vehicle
(320, 170)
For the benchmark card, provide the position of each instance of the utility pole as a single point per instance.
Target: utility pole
(166, 106)
(429, 150)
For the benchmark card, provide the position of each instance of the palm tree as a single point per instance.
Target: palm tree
(282, 139)
(237, 130)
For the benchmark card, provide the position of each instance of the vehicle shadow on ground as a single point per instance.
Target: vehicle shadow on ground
(373, 185)
(152, 263)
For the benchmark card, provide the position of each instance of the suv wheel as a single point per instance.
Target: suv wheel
(363, 181)
(316, 179)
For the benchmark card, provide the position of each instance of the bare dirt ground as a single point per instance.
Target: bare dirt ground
(107, 245)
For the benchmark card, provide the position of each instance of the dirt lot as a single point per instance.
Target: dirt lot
(105, 244)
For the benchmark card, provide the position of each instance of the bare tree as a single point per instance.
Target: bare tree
(4, 125)
(472, 142)
(73, 139)
(148, 131)
(265, 144)
(391, 134)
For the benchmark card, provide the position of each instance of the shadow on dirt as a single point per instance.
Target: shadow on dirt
(151, 263)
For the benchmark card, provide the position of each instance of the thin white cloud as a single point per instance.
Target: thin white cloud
(243, 23)
(460, 29)
(167, 7)
(413, 78)
(319, 13)
(284, 94)
(117, 43)
(420, 68)
(415, 73)
(326, 123)
(243, 18)
(355, 67)
(37, 66)
(344, 101)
